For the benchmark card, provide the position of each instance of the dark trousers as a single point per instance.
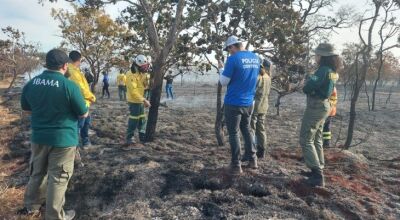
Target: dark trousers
(83, 126)
(326, 133)
(105, 90)
(136, 121)
(238, 118)
(122, 93)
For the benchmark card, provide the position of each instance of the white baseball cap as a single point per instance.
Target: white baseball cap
(231, 41)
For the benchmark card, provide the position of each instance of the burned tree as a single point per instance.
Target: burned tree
(361, 65)
(388, 29)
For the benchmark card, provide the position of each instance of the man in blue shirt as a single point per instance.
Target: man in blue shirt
(240, 76)
(106, 84)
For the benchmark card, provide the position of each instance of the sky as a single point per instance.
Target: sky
(35, 20)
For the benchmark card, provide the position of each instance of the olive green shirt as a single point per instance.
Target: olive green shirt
(263, 88)
(321, 83)
(55, 104)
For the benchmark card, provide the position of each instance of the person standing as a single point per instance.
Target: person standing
(168, 87)
(326, 133)
(55, 104)
(121, 82)
(77, 76)
(89, 77)
(106, 85)
(136, 83)
(261, 108)
(318, 88)
(240, 76)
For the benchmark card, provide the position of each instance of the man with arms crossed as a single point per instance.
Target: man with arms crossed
(55, 104)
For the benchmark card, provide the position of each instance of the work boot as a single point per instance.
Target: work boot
(142, 137)
(69, 215)
(260, 154)
(253, 164)
(86, 144)
(306, 173)
(316, 178)
(236, 170)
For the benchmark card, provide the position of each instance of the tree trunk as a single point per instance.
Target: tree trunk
(376, 81)
(155, 98)
(390, 94)
(93, 87)
(366, 93)
(181, 80)
(352, 120)
(374, 93)
(13, 79)
(95, 78)
(359, 81)
(219, 124)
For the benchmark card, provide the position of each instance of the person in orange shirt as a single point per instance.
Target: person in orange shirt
(327, 134)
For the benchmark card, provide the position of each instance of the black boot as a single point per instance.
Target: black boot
(316, 178)
(260, 153)
(306, 173)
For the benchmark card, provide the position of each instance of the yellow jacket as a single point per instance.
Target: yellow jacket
(136, 83)
(121, 79)
(77, 76)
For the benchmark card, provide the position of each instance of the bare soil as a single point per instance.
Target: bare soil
(184, 175)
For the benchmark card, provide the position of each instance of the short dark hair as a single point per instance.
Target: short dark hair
(134, 67)
(55, 68)
(75, 55)
(332, 62)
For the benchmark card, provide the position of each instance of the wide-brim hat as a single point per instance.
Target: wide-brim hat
(325, 50)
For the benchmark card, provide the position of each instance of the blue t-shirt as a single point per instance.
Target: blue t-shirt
(242, 68)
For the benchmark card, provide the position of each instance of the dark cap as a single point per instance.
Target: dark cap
(56, 58)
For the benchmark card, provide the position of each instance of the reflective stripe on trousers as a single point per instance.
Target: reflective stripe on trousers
(327, 135)
(136, 117)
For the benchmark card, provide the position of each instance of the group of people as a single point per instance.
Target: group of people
(246, 103)
(58, 102)
(59, 99)
(122, 89)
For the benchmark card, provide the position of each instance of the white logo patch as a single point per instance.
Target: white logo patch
(250, 63)
(45, 82)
